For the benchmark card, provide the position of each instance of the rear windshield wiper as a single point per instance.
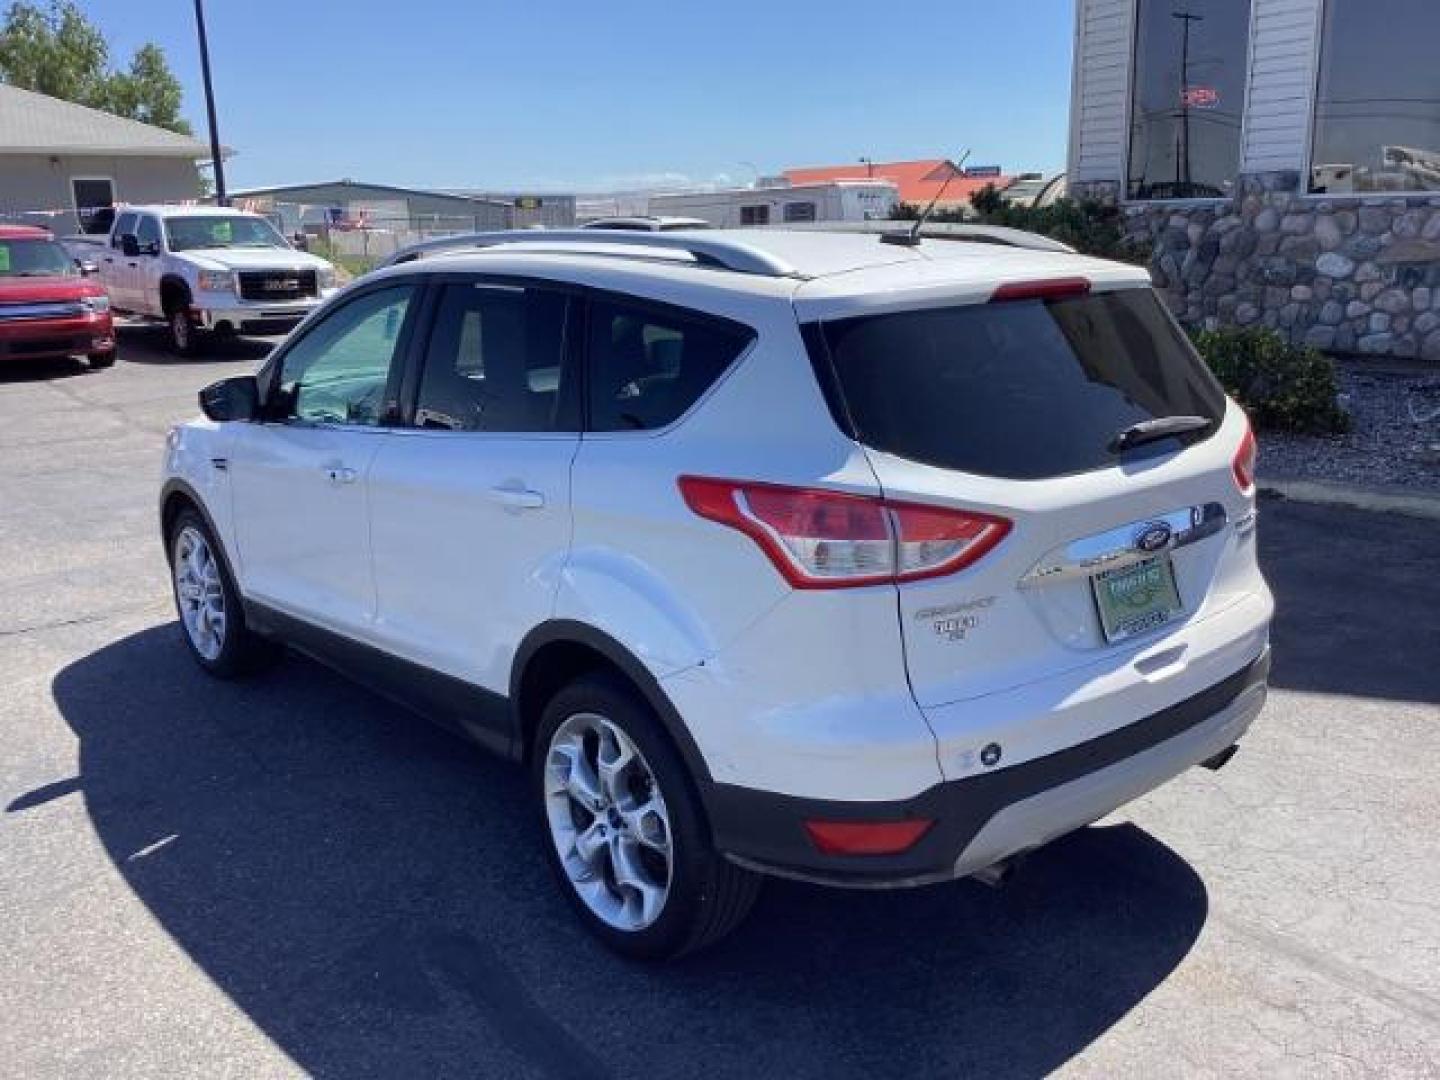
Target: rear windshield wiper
(1162, 427)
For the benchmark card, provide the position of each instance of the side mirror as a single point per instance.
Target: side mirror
(87, 268)
(236, 398)
(129, 245)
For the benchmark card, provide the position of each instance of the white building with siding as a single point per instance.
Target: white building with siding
(1283, 156)
(60, 162)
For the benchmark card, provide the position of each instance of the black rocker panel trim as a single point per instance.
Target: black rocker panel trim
(473, 711)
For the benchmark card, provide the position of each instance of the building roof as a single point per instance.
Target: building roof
(361, 185)
(917, 181)
(32, 123)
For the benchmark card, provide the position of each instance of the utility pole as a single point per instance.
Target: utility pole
(1181, 178)
(216, 162)
(869, 168)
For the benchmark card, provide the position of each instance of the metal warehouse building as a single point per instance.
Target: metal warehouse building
(376, 219)
(1282, 155)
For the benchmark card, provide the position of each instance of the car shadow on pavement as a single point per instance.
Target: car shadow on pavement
(1357, 601)
(371, 892)
(28, 371)
(149, 343)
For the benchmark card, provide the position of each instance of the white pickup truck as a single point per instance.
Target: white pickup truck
(205, 268)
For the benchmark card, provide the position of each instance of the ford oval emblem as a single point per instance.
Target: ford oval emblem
(1153, 537)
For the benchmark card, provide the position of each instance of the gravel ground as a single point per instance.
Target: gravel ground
(1394, 441)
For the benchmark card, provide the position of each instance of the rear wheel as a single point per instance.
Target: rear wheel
(101, 359)
(628, 841)
(212, 619)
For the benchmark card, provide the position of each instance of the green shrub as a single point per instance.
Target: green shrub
(1090, 227)
(1283, 387)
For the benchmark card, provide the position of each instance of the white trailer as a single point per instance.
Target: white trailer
(836, 200)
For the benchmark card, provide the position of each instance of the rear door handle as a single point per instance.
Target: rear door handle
(518, 498)
(338, 474)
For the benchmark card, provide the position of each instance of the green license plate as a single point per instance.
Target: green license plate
(1136, 598)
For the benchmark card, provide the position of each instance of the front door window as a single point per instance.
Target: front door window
(339, 371)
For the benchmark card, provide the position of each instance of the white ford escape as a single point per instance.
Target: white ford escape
(824, 555)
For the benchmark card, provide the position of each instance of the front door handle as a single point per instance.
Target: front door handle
(518, 498)
(338, 473)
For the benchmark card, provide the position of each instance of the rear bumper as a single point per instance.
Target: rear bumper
(41, 338)
(985, 818)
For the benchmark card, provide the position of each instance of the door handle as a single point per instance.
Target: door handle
(517, 498)
(338, 474)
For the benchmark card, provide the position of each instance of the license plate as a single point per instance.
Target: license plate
(1136, 598)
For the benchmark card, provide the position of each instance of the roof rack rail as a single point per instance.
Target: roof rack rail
(943, 230)
(707, 250)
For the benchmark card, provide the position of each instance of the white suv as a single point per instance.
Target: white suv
(852, 559)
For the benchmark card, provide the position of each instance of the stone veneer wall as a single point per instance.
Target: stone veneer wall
(1345, 273)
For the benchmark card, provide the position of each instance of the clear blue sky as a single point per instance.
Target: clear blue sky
(572, 94)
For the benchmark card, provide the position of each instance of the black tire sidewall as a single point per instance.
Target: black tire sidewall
(692, 856)
(101, 360)
(179, 348)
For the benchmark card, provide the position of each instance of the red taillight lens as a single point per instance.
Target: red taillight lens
(1244, 464)
(866, 837)
(825, 539)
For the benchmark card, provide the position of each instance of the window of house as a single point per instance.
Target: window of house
(800, 211)
(1377, 111)
(754, 215)
(1188, 97)
(91, 196)
(494, 361)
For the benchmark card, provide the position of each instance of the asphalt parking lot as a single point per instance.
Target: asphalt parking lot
(292, 876)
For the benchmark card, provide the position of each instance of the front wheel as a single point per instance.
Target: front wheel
(184, 334)
(212, 617)
(101, 359)
(628, 841)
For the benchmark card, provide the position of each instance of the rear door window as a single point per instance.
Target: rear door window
(495, 360)
(647, 367)
(1023, 389)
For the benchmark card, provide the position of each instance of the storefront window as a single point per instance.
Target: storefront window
(1190, 60)
(1377, 114)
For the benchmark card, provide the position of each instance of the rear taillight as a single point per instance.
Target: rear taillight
(821, 539)
(1244, 464)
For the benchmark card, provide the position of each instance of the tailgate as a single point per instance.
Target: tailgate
(1089, 423)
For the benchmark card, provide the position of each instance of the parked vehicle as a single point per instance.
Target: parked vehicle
(48, 306)
(782, 203)
(864, 560)
(206, 268)
(646, 223)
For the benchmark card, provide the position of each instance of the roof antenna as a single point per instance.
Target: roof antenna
(911, 238)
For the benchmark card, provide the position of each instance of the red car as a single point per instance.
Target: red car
(48, 307)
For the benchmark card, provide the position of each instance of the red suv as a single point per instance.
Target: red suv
(48, 307)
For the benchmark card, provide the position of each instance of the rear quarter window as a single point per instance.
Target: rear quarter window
(646, 366)
(1025, 389)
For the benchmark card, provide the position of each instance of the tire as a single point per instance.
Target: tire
(201, 583)
(184, 334)
(704, 896)
(101, 360)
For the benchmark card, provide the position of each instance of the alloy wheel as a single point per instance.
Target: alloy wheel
(608, 822)
(199, 593)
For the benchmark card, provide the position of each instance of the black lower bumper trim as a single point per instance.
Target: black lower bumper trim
(766, 830)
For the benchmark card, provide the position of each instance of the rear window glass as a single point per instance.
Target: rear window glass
(1024, 389)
